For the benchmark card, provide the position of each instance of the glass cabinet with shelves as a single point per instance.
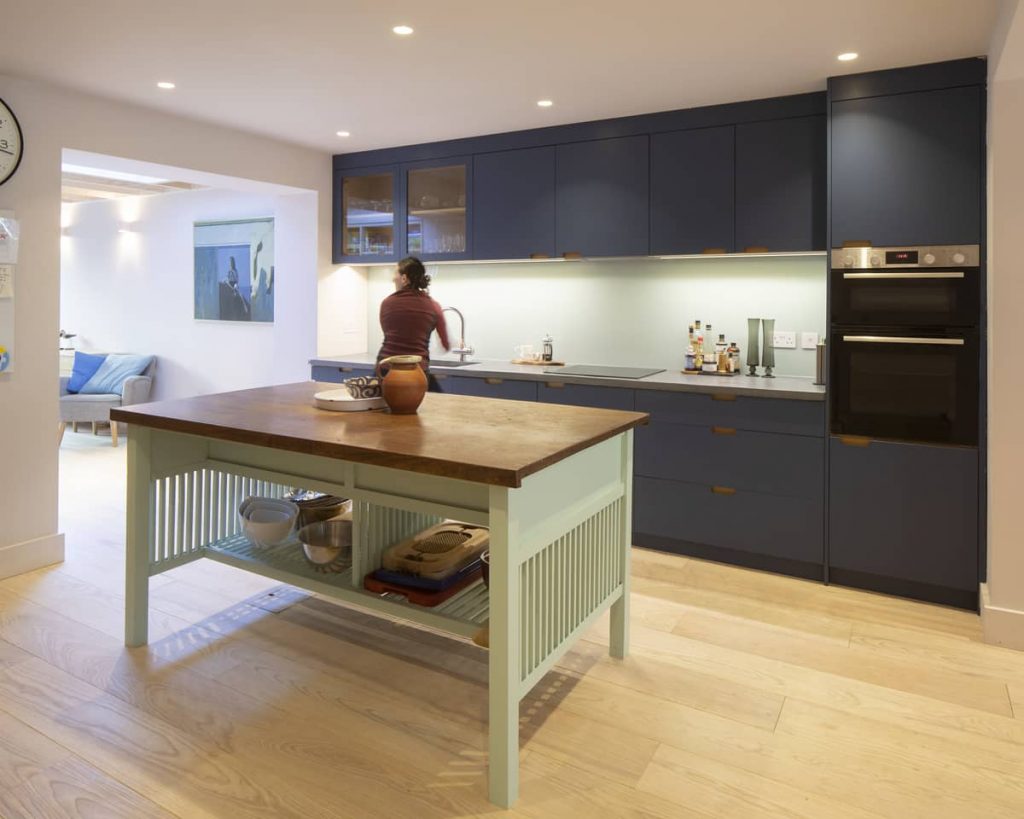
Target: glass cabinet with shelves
(437, 223)
(367, 207)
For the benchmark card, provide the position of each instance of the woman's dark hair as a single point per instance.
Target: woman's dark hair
(413, 269)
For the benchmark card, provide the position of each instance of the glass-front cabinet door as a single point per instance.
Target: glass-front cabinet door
(366, 207)
(437, 209)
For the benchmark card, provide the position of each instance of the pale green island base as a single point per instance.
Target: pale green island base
(560, 548)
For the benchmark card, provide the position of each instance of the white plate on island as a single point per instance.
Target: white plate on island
(342, 401)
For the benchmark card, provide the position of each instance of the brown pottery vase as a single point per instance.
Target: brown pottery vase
(405, 383)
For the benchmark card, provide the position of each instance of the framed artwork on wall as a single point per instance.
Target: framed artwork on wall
(234, 270)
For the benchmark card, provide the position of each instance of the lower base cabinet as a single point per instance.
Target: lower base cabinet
(338, 373)
(903, 519)
(488, 387)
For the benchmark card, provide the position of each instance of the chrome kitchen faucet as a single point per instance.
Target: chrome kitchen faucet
(463, 349)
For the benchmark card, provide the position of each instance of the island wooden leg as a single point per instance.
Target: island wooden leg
(136, 618)
(503, 660)
(618, 642)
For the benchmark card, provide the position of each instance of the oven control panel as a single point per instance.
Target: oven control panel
(878, 258)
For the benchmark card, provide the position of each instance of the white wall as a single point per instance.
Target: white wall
(134, 291)
(1003, 599)
(623, 312)
(52, 119)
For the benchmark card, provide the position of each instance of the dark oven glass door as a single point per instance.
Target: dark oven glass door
(908, 298)
(921, 387)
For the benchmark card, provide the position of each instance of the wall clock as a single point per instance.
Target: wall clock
(11, 143)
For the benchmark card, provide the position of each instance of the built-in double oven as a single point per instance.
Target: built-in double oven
(905, 339)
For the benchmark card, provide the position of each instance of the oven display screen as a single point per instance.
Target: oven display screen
(901, 257)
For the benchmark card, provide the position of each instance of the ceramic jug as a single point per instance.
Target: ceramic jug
(404, 384)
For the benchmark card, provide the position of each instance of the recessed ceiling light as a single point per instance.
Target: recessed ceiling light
(846, 56)
(545, 103)
(402, 31)
(344, 133)
(166, 86)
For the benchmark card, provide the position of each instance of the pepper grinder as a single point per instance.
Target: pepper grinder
(768, 359)
(753, 356)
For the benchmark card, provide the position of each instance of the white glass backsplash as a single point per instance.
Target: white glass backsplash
(632, 312)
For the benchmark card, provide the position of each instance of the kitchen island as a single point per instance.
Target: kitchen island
(553, 483)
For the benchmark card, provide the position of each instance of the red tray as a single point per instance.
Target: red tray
(421, 597)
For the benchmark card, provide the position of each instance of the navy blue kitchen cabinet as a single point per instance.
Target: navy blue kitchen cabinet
(738, 411)
(692, 191)
(514, 204)
(907, 168)
(437, 208)
(781, 173)
(585, 395)
(602, 203)
(366, 207)
(903, 519)
(487, 387)
(340, 372)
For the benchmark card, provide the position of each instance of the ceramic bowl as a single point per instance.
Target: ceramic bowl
(267, 521)
(364, 386)
(327, 544)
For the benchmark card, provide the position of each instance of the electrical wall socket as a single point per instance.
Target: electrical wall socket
(809, 341)
(784, 340)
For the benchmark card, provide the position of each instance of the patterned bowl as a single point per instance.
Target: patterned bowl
(364, 386)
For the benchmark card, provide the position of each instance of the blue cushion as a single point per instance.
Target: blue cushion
(113, 372)
(83, 369)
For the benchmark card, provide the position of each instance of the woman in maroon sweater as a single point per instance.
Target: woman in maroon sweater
(408, 317)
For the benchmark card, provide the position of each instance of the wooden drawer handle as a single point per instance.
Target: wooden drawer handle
(439, 376)
(554, 385)
(722, 397)
(494, 380)
(714, 251)
(572, 255)
(723, 490)
(539, 256)
(856, 243)
(346, 369)
(755, 249)
(854, 440)
(723, 430)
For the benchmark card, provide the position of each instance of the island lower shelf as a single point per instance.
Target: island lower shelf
(462, 614)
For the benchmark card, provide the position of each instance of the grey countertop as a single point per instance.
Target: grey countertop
(791, 387)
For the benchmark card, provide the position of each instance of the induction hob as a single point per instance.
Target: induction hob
(605, 372)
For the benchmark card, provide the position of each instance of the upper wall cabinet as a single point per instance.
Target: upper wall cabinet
(438, 220)
(907, 168)
(692, 185)
(514, 204)
(602, 202)
(781, 174)
(366, 228)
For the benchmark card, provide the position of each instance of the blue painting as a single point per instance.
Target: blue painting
(234, 270)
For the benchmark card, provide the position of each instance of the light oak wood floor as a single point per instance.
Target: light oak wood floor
(746, 695)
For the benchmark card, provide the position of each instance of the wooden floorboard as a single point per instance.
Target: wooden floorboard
(746, 695)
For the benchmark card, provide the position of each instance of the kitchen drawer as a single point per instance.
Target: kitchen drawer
(585, 395)
(340, 372)
(765, 525)
(489, 387)
(767, 462)
(904, 511)
(738, 411)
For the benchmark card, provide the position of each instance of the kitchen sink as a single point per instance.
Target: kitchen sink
(443, 364)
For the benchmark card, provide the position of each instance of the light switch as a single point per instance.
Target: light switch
(809, 341)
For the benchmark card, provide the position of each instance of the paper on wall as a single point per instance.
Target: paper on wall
(9, 231)
(6, 281)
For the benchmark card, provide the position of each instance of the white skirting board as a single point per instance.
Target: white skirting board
(19, 558)
(1001, 627)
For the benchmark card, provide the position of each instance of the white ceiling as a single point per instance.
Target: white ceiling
(303, 69)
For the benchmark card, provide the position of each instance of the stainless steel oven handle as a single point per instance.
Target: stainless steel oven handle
(939, 342)
(935, 274)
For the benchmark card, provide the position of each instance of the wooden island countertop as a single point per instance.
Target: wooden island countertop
(484, 440)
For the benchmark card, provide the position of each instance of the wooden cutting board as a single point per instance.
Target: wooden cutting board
(538, 363)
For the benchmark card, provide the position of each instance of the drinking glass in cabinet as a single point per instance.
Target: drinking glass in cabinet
(437, 210)
(368, 215)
